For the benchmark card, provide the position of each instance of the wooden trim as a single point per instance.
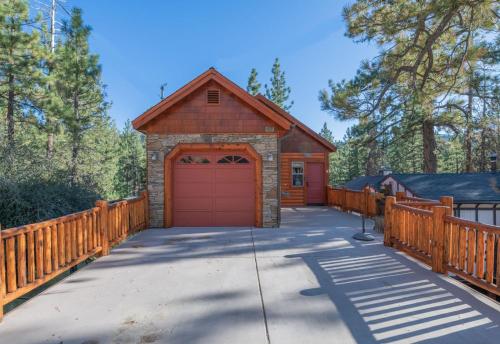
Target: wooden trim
(182, 147)
(303, 174)
(196, 83)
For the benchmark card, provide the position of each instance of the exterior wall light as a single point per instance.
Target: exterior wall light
(270, 157)
(154, 156)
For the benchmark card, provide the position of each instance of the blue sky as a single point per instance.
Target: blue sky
(143, 44)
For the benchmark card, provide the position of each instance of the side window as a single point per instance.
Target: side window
(298, 173)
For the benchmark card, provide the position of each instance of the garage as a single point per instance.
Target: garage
(213, 189)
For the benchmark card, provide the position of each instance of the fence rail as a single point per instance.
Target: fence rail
(472, 251)
(363, 202)
(427, 230)
(33, 254)
(411, 230)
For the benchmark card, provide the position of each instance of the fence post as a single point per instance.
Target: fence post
(389, 202)
(400, 195)
(438, 214)
(146, 209)
(103, 211)
(127, 218)
(2, 275)
(366, 194)
(343, 198)
(447, 201)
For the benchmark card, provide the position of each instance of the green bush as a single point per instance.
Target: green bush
(34, 201)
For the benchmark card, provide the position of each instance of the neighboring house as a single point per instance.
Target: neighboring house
(218, 156)
(476, 196)
(359, 183)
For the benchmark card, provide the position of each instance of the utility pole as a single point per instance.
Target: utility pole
(162, 88)
(53, 26)
(50, 134)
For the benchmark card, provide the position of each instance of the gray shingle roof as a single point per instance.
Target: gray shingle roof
(464, 187)
(360, 182)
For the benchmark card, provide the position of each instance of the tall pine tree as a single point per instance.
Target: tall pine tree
(253, 85)
(20, 73)
(278, 91)
(79, 85)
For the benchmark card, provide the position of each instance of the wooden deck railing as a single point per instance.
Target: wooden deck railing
(363, 202)
(472, 251)
(32, 255)
(411, 230)
(427, 230)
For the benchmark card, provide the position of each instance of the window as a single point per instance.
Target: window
(297, 173)
(236, 159)
(193, 159)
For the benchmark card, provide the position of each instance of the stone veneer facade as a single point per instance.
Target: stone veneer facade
(161, 144)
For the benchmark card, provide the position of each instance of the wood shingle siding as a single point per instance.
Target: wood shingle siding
(194, 115)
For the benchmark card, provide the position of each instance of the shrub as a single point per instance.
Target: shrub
(34, 201)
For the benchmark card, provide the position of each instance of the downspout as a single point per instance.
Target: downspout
(278, 161)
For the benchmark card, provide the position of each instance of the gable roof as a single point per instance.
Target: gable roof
(360, 183)
(464, 187)
(196, 83)
(298, 123)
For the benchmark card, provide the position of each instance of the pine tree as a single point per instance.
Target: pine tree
(253, 85)
(326, 133)
(429, 42)
(131, 174)
(20, 73)
(278, 91)
(79, 85)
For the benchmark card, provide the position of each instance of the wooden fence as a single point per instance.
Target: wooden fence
(363, 202)
(32, 255)
(426, 230)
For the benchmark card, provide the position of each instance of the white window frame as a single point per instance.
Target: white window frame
(301, 165)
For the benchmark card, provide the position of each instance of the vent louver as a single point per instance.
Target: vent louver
(213, 96)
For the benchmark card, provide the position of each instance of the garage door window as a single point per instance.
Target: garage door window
(194, 159)
(298, 173)
(230, 159)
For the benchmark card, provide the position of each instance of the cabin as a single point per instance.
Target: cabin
(219, 156)
(476, 196)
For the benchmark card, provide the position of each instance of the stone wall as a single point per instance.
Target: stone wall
(161, 144)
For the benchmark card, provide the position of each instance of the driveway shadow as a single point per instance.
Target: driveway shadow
(385, 297)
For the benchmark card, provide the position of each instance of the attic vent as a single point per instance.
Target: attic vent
(213, 96)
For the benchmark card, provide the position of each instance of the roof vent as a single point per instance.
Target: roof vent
(213, 97)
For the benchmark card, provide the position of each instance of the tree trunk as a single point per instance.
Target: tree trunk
(10, 112)
(371, 162)
(468, 133)
(75, 144)
(50, 145)
(75, 151)
(429, 139)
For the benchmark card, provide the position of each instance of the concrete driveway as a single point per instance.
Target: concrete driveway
(307, 282)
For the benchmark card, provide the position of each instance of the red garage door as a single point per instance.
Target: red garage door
(213, 189)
